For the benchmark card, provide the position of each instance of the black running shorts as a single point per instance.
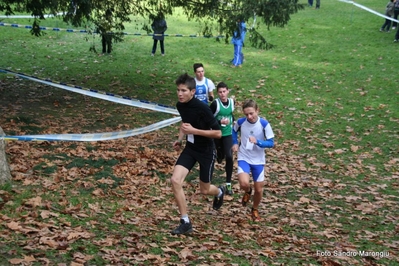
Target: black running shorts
(206, 160)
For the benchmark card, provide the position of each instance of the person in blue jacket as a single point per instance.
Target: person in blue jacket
(238, 41)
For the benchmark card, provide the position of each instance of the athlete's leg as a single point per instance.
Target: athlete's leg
(208, 189)
(243, 176)
(258, 175)
(184, 164)
(207, 163)
(227, 144)
(258, 193)
(219, 150)
(178, 176)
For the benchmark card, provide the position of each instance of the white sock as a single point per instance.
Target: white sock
(185, 218)
(220, 193)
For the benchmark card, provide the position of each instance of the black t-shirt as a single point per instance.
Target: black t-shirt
(200, 116)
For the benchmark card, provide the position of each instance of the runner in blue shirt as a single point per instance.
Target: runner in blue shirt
(256, 134)
(204, 86)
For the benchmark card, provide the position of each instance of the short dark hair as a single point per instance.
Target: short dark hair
(249, 103)
(197, 65)
(221, 85)
(186, 80)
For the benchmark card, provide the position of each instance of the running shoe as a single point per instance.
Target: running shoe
(246, 197)
(183, 228)
(255, 215)
(218, 201)
(229, 190)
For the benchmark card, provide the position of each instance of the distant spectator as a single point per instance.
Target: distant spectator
(397, 36)
(388, 13)
(310, 3)
(395, 14)
(104, 28)
(317, 4)
(159, 27)
(238, 41)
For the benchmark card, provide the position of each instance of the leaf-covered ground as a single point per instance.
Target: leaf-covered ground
(111, 203)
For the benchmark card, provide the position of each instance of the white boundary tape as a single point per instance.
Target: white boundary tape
(369, 10)
(97, 136)
(100, 95)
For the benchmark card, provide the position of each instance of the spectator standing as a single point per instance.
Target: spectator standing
(388, 12)
(159, 27)
(104, 29)
(317, 4)
(204, 86)
(395, 14)
(396, 36)
(222, 108)
(238, 42)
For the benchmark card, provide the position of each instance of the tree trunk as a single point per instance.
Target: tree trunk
(5, 174)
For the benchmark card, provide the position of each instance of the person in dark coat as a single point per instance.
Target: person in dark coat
(159, 27)
(388, 14)
(104, 29)
(317, 4)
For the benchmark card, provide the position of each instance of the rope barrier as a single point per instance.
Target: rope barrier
(95, 136)
(30, 16)
(15, 25)
(369, 10)
(101, 95)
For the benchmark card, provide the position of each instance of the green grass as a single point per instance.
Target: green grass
(328, 88)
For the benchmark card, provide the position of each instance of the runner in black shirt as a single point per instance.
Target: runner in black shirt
(200, 127)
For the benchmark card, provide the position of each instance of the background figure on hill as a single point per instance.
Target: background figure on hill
(104, 28)
(396, 36)
(204, 86)
(159, 27)
(395, 14)
(310, 3)
(388, 13)
(222, 108)
(317, 4)
(238, 41)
